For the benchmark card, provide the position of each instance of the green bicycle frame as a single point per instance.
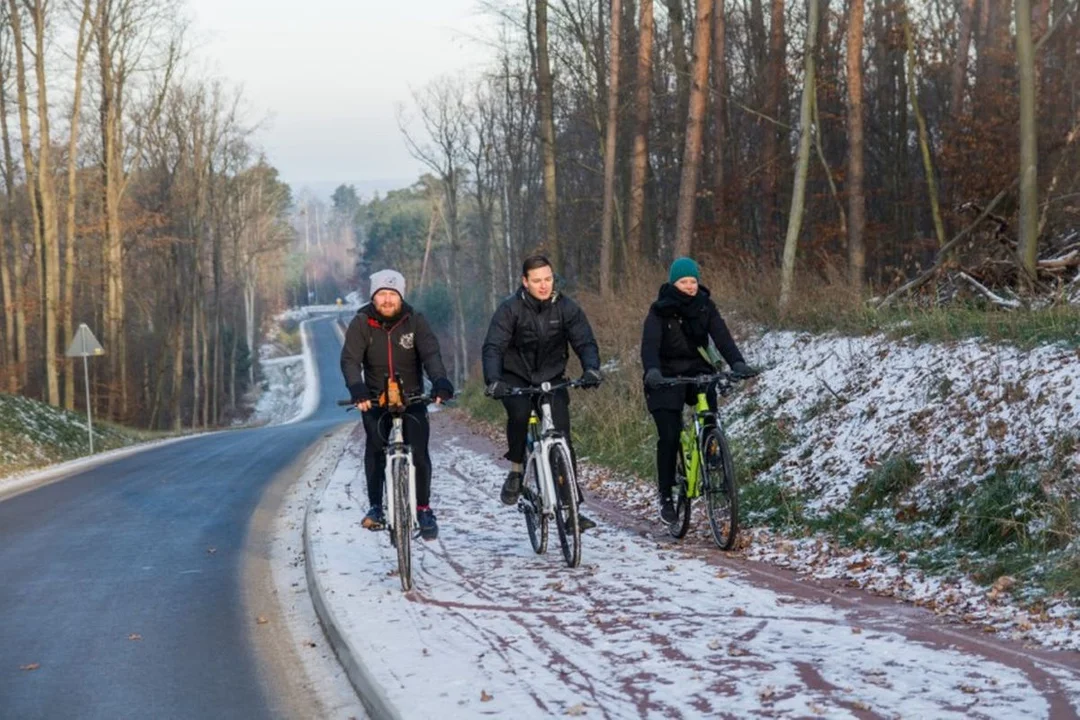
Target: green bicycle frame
(690, 450)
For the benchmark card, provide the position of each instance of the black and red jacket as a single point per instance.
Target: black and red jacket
(375, 347)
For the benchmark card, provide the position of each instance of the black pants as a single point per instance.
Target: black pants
(668, 426)
(417, 431)
(517, 420)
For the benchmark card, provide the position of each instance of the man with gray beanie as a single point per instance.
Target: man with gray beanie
(387, 338)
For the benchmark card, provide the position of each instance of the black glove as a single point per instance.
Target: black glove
(359, 393)
(591, 378)
(653, 378)
(742, 370)
(442, 389)
(497, 390)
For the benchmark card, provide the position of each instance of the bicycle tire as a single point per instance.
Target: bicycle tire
(532, 506)
(566, 506)
(719, 487)
(403, 524)
(680, 499)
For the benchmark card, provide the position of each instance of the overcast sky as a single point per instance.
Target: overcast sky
(329, 74)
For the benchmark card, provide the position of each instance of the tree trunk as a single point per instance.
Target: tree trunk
(774, 84)
(924, 137)
(639, 160)
(677, 25)
(720, 138)
(545, 90)
(798, 194)
(855, 172)
(17, 378)
(966, 19)
(68, 303)
(111, 89)
(50, 232)
(610, 149)
(1029, 177)
(29, 164)
(695, 129)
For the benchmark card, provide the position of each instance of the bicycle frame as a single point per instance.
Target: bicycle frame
(691, 443)
(398, 450)
(544, 438)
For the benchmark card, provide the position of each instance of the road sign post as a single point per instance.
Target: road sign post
(83, 345)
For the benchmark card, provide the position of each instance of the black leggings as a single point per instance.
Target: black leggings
(668, 426)
(517, 420)
(417, 431)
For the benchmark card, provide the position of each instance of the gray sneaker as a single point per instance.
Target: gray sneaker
(667, 511)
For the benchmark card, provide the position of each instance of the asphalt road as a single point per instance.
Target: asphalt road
(124, 584)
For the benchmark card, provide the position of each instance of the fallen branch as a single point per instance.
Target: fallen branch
(943, 252)
(993, 297)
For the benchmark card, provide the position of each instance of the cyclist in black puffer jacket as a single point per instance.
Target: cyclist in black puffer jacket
(388, 338)
(673, 342)
(526, 345)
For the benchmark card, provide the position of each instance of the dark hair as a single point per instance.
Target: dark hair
(534, 262)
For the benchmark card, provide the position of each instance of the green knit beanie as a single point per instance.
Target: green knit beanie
(683, 267)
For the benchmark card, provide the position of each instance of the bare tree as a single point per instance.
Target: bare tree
(924, 135)
(639, 160)
(798, 195)
(610, 150)
(856, 196)
(1029, 176)
(720, 121)
(546, 92)
(695, 129)
(965, 19)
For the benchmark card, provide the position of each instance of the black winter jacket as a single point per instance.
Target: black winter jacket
(405, 345)
(668, 341)
(527, 340)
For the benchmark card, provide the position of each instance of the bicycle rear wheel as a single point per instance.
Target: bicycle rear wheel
(719, 488)
(566, 507)
(680, 499)
(403, 523)
(531, 505)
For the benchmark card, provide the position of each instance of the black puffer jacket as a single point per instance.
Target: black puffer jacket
(375, 347)
(676, 326)
(527, 340)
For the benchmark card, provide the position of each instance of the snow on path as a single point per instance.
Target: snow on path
(642, 629)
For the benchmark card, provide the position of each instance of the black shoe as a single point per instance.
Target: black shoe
(429, 529)
(667, 511)
(374, 520)
(585, 523)
(511, 488)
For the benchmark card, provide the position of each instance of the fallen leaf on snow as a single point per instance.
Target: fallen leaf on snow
(134, 636)
(739, 612)
(484, 697)
(766, 693)
(969, 689)
(576, 710)
(714, 644)
(262, 620)
(736, 651)
(30, 667)
(856, 631)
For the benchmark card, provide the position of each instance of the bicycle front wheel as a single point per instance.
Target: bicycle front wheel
(719, 488)
(680, 499)
(403, 523)
(566, 506)
(531, 504)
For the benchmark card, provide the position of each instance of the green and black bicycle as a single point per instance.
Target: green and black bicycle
(703, 466)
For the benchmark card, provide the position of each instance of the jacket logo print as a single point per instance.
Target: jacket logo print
(407, 340)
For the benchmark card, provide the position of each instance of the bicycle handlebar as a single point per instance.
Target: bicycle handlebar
(728, 378)
(545, 388)
(411, 400)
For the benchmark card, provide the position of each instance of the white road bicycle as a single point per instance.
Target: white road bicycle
(549, 488)
(399, 488)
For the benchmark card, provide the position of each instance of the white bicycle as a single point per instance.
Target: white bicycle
(399, 489)
(549, 488)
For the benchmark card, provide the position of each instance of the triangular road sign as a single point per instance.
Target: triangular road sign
(84, 344)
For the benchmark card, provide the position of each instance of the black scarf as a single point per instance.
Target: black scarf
(692, 309)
